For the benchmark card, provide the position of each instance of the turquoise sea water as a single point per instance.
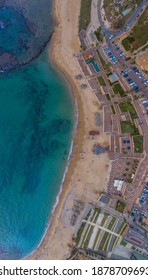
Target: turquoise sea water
(36, 129)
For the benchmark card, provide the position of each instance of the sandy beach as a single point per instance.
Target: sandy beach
(87, 173)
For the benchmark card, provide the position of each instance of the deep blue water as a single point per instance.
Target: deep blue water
(35, 136)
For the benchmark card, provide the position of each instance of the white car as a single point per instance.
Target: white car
(145, 101)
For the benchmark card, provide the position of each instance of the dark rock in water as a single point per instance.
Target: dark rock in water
(59, 126)
(8, 61)
(22, 35)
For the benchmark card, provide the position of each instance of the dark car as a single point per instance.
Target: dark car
(136, 89)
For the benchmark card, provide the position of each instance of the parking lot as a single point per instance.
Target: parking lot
(110, 55)
(134, 78)
(132, 72)
(144, 196)
(141, 211)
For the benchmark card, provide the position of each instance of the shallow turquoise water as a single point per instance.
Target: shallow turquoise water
(36, 127)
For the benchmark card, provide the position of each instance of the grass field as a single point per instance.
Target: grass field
(123, 243)
(120, 206)
(129, 127)
(104, 219)
(121, 228)
(79, 233)
(85, 14)
(126, 44)
(104, 64)
(108, 97)
(99, 35)
(102, 243)
(128, 107)
(111, 224)
(97, 237)
(97, 213)
(138, 144)
(113, 109)
(139, 34)
(107, 242)
(101, 81)
(117, 88)
(86, 242)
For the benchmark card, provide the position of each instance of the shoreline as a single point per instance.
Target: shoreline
(83, 178)
(65, 75)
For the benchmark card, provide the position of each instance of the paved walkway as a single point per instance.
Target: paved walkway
(100, 227)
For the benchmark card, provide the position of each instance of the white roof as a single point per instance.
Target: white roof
(118, 184)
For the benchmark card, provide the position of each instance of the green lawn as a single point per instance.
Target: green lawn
(104, 64)
(129, 127)
(86, 242)
(85, 14)
(117, 88)
(101, 81)
(123, 243)
(98, 34)
(140, 31)
(113, 109)
(128, 107)
(79, 233)
(96, 239)
(138, 143)
(107, 242)
(97, 210)
(121, 228)
(108, 97)
(111, 224)
(126, 44)
(120, 206)
(139, 34)
(104, 219)
(103, 240)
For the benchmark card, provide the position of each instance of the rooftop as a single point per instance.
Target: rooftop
(113, 78)
(118, 184)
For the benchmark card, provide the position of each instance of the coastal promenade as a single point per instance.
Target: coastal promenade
(120, 88)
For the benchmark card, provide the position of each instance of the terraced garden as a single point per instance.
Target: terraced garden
(128, 107)
(129, 127)
(138, 143)
(100, 231)
(117, 88)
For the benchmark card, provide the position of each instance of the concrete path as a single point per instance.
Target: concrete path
(100, 227)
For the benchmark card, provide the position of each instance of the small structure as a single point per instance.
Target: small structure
(125, 12)
(120, 186)
(113, 78)
(104, 199)
(88, 56)
(94, 132)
